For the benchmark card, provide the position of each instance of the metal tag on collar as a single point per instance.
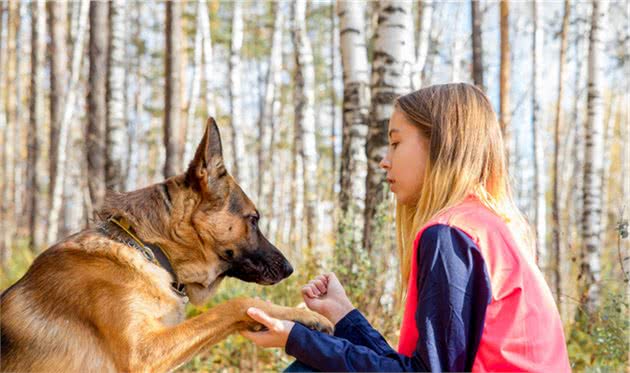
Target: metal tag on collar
(179, 288)
(148, 253)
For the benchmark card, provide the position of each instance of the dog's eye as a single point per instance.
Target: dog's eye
(253, 219)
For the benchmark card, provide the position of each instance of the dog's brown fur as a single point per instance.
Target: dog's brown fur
(93, 303)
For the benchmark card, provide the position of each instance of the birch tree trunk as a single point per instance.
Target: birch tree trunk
(97, 104)
(610, 119)
(267, 120)
(556, 248)
(193, 93)
(239, 170)
(116, 160)
(202, 66)
(575, 189)
(3, 138)
(477, 44)
(21, 219)
(76, 206)
(296, 202)
(173, 99)
(133, 99)
(593, 164)
(305, 116)
(457, 49)
(58, 14)
(504, 84)
(270, 111)
(435, 43)
(64, 128)
(9, 75)
(204, 23)
(538, 136)
(277, 185)
(356, 109)
(334, 48)
(391, 68)
(38, 55)
(425, 8)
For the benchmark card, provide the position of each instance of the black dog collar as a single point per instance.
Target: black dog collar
(152, 252)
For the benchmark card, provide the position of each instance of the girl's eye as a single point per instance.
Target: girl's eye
(394, 145)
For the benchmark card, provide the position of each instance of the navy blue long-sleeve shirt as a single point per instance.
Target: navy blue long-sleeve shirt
(453, 294)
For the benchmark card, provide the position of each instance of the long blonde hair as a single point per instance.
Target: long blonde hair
(466, 155)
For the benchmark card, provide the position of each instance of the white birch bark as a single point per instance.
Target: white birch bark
(305, 116)
(36, 120)
(457, 49)
(435, 44)
(424, 37)
(356, 107)
(18, 138)
(8, 67)
(391, 68)
(296, 201)
(193, 94)
(239, 166)
(71, 215)
(593, 162)
(575, 172)
(66, 122)
(270, 111)
(207, 59)
(134, 101)
(504, 80)
(611, 119)
(116, 160)
(58, 80)
(334, 49)
(540, 211)
(4, 221)
(556, 252)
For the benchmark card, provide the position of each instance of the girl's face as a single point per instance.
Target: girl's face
(406, 159)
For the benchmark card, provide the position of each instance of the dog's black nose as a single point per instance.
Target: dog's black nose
(288, 269)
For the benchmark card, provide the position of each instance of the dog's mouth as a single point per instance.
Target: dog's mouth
(260, 272)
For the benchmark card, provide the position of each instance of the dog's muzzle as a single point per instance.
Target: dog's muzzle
(260, 267)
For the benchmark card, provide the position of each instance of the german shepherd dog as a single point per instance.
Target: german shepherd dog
(112, 297)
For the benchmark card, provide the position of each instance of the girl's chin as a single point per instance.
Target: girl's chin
(403, 200)
(406, 200)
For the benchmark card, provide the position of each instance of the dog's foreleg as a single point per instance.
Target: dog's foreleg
(164, 349)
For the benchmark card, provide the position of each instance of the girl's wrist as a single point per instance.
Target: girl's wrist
(340, 312)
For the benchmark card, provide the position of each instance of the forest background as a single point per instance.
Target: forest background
(114, 95)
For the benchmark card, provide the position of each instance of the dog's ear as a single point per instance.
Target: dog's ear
(207, 166)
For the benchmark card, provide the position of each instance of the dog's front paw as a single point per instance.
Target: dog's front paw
(313, 320)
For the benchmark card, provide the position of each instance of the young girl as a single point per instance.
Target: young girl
(475, 299)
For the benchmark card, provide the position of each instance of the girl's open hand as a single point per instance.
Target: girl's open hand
(325, 295)
(277, 331)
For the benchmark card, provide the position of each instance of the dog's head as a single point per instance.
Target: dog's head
(226, 221)
(206, 224)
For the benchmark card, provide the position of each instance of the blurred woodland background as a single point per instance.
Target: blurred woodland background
(114, 95)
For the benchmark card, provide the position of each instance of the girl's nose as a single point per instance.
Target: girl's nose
(385, 164)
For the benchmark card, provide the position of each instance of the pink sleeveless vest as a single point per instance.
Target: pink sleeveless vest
(522, 330)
